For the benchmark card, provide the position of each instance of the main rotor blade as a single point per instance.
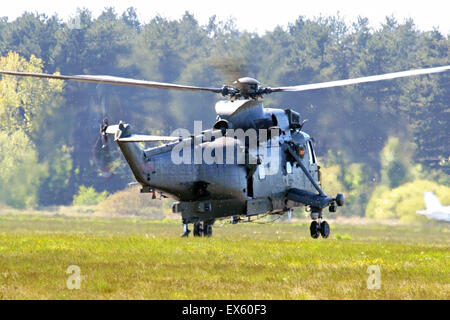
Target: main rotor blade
(112, 80)
(147, 138)
(340, 83)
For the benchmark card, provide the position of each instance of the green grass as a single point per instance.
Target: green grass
(145, 259)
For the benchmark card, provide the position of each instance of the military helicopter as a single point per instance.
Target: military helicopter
(273, 173)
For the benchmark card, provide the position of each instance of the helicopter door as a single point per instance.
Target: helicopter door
(250, 186)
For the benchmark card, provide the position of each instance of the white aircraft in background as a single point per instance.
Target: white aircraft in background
(435, 210)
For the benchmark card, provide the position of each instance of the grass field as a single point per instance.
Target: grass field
(145, 259)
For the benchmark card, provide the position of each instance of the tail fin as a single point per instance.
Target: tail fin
(431, 201)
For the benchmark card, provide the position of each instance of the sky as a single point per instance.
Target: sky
(253, 15)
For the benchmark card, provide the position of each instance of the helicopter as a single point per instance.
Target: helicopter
(253, 161)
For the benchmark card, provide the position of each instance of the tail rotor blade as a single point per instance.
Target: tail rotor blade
(104, 136)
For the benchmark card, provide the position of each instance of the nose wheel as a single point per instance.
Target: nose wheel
(324, 229)
(314, 229)
(319, 227)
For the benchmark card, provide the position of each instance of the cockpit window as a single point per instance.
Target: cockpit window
(312, 156)
(294, 119)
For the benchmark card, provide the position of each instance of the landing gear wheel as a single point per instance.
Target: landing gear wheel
(332, 207)
(314, 229)
(207, 229)
(198, 230)
(324, 229)
(340, 199)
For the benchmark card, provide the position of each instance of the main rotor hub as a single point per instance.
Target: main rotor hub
(247, 81)
(246, 88)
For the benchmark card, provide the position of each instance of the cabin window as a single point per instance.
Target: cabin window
(312, 156)
(262, 172)
(288, 167)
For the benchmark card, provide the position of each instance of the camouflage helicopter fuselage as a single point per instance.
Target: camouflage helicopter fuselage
(207, 191)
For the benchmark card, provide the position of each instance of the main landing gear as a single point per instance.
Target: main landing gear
(201, 228)
(186, 230)
(319, 227)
